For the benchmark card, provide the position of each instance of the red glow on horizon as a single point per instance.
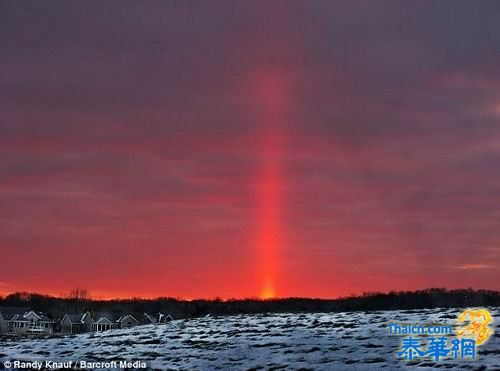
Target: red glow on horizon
(273, 97)
(269, 238)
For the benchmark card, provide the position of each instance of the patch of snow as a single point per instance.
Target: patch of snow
(336, 341)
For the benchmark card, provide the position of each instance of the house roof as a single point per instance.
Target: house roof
(75, 318)
(157, 318)
(165, 318)
(102, 320)
(109, 316)
(127, 316)
(22, 317)
(9, 312)
(19, 318)
(38, 315)
(45, 318)
(150, 318)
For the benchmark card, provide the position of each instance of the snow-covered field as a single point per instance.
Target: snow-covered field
(334, 341)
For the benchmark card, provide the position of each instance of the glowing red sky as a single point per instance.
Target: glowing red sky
(236, 149)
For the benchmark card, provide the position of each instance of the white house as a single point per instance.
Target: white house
(31, 322)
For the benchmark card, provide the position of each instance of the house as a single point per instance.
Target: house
(164, 318)
(128, 321)
(76, 323)
(100, 321)
(105, 321)
(150, 319)
(159, 318)
(44, 325)
(4, 321)
(7, 313)
(29, 321)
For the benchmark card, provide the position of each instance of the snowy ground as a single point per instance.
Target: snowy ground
(336, 341)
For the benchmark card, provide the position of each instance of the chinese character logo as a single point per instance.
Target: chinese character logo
(478, 325)
(473, 330)
(410, 348)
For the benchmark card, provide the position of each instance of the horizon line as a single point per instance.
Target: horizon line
(217, 298)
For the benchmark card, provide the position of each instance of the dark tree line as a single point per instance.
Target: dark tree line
(79, 300)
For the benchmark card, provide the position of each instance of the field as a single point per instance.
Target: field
(337, 341)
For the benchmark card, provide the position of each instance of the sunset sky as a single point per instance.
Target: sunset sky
(249, 148)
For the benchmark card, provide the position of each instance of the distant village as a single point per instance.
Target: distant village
(20, 320)
(25, 314)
